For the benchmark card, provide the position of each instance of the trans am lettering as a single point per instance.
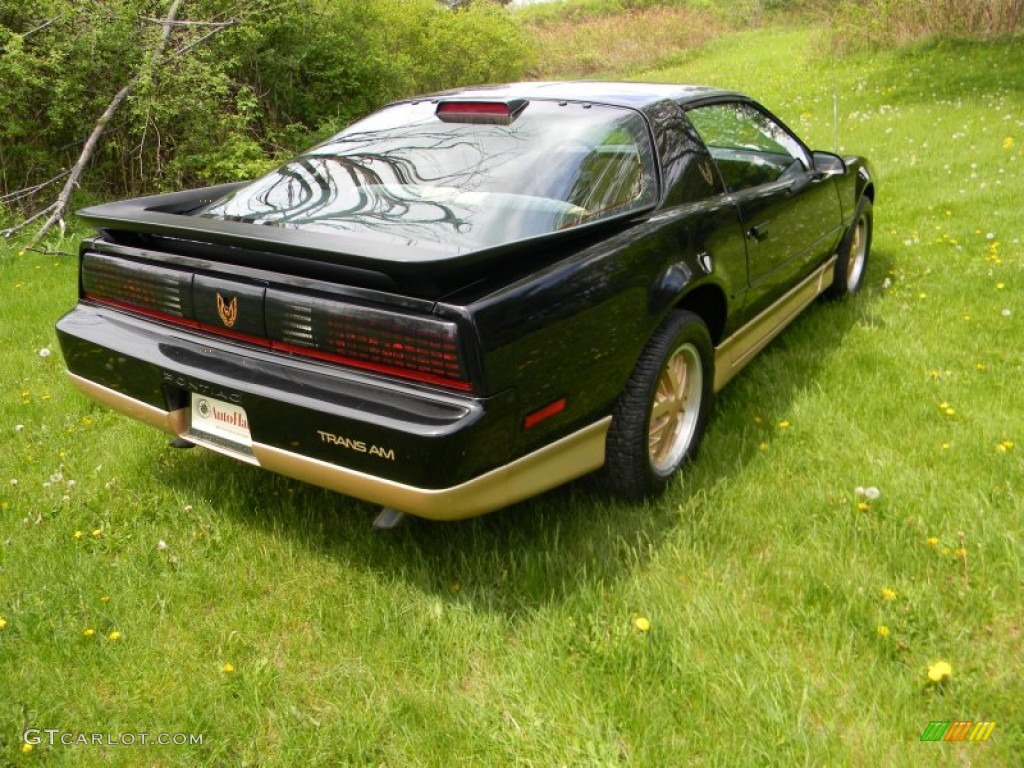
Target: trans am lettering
(359, 446)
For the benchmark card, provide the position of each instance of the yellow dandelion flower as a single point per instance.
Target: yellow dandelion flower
(863, 506)
(933, 541)
(105, 599)
(3, 623)
(115, 635)
(89, 632)
(97, 533)
(783, 425)
(949, 412)
(26, 748)
(1000, 448)
(981, 366)
(883, 631)
(762, 446)
(946, 446)
(1000, 286)
(922, 295)
(78, 535)
(959, 552)
(227, 669)
(1007, 444)
(1008, 142)
(642, 623)
(888, 594)
(940, 671)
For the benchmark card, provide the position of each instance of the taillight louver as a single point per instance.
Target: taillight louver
(146, 287)
(420, 348)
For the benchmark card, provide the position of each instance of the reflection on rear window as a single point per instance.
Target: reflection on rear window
(405, 176)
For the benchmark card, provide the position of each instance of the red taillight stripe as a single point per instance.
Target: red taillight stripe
(280, 346)
(426, 378)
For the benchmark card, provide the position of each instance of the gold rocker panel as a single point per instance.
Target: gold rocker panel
(739, 349)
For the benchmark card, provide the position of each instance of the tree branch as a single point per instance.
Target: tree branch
(59, 207)
(186, 23)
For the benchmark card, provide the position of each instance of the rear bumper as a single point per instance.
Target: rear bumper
(432, 454)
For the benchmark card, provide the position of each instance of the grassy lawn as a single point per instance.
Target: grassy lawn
(762, 613)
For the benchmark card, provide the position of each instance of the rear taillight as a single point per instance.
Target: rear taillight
(143, 287)
(423, 349)
(419, 348)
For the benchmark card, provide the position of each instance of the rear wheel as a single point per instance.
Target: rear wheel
(853, 254)
(660, 417)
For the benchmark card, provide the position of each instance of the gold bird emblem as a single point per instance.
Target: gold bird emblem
(228, 310)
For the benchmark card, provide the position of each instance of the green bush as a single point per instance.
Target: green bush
(286, 73)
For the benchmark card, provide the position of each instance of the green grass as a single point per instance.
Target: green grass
(511, 639)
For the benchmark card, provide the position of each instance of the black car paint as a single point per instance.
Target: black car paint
(561, 316)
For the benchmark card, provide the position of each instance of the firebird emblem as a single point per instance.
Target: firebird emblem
(228, 310)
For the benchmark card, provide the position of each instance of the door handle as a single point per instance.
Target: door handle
(758, 232)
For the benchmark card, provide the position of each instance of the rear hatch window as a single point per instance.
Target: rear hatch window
(421, 173)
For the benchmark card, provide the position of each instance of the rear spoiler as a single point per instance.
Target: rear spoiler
(168, 215)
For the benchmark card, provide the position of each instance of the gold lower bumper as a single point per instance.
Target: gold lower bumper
(573, 456)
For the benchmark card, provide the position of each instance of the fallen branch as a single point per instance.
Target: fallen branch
(58, 208)
(18, 194)
(187, 23)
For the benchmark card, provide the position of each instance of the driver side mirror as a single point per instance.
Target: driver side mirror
(829, 164)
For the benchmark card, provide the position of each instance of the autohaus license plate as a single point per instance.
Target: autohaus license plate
(219, 425)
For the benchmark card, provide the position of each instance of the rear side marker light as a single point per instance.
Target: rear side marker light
(549, 410)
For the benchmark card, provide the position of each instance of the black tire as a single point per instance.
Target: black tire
(674, 375)
(853, 253)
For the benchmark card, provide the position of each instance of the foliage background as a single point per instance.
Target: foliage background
(288, 73)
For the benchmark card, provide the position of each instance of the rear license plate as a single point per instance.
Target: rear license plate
(219, 424)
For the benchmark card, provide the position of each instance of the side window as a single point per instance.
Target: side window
(749, 147)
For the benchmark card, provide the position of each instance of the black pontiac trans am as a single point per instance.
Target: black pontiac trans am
(468, 298)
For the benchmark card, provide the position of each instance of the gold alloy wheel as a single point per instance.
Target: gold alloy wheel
(858, 253)
(675, 409)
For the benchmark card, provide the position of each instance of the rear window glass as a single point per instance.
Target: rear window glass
(405, 176)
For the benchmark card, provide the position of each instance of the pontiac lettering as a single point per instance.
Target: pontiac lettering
(200, 388)
(359, 446)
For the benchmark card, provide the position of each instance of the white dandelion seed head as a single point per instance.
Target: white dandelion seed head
(19, 427)
(44, 352)
(14, 481)
(859, 490)
(872, 493)
(161, 545)
(1007, 312)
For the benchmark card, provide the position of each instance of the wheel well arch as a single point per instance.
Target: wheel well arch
(707, 302)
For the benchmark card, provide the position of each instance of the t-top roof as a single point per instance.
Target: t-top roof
(635, 95)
